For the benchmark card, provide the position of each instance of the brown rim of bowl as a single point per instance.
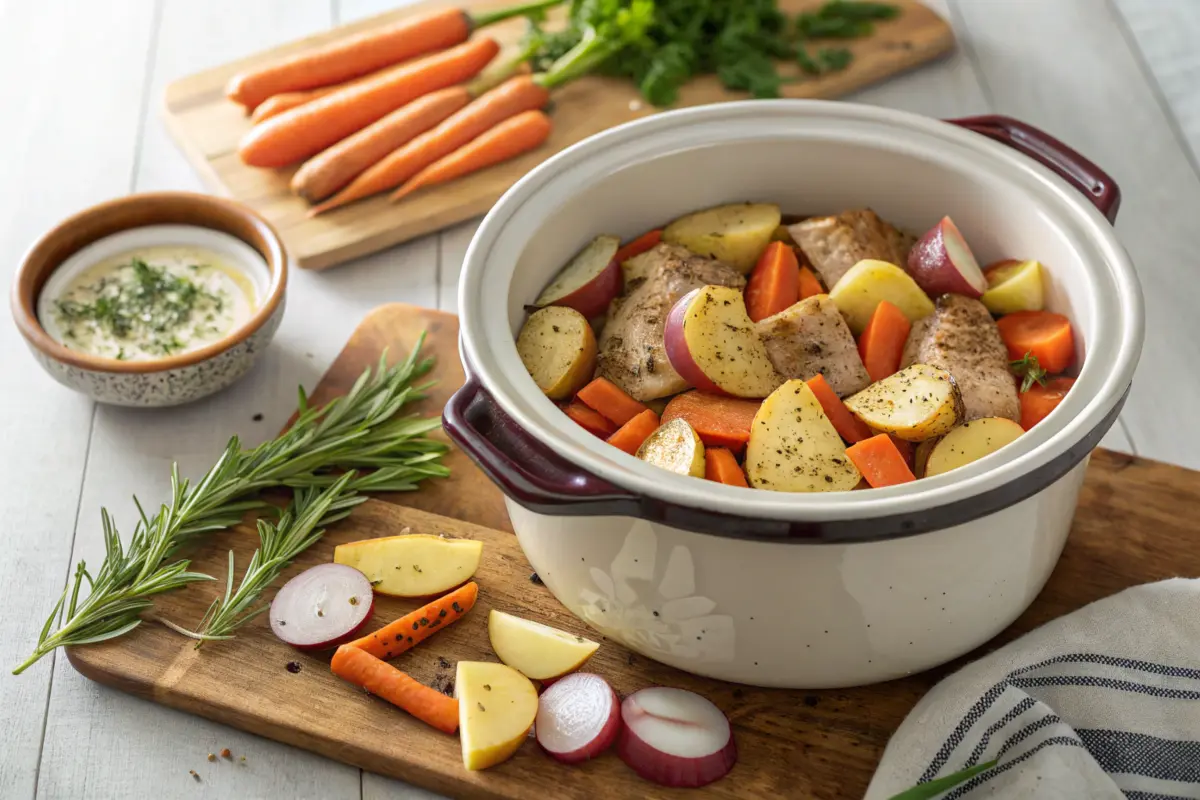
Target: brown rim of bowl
(139, 211)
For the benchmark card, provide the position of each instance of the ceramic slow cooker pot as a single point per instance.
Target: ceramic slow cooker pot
(778, 589)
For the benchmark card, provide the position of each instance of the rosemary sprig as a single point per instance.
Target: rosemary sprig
(1029, 371)
(299, 528)
(358, 431)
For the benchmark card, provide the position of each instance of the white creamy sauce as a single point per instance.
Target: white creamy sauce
(152, 303)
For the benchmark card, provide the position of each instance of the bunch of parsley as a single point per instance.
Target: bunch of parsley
(740, 41)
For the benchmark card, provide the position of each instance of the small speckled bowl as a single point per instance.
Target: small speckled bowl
(212, 222)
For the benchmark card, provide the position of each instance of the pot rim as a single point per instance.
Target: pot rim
(1043, 453)
(121, 214)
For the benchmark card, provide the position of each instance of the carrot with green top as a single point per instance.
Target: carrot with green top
(882, 341)
(605, 397)
(380, 46)
(413, 628)
(630, 436)
(385, 681)
(848, 426)
(722, 466)
(880, 463)
(305, 131)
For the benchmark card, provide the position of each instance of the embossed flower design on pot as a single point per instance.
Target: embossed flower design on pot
(653, 611)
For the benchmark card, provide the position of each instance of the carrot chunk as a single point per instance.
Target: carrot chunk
(1039, 401)
(594, 422)
(809, 284)
(880, 463)
(638, 246)
(605, 397)
(882, 342)
(415, 627)
(721, 466)
(848, 426)
(774, 283)
(719, 421)
(383, 680)
(1044, 334)
(629, 437)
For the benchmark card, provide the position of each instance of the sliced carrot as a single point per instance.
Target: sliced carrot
(592, 421)
(774, 283)
(809, 284)
(383, 680)
(606, 397)
(512, 137)
(721, 466)
(1039, 401)
(848, 426)
(882, 341)
(629, 437)
(514, 96)
(1046, 335)
(415, 627)
(639, 245)
(305, 131)
(880, 463)
(907, 450)
(333, 168)
(719, 421)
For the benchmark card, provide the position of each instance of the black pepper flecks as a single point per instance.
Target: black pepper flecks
(293, 667)
(536, 579)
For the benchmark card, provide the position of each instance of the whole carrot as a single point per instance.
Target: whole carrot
(383, 680)
(516, 95)
(352, 56)
(410, 630)
(332, 169)
(305, 131)
(276, 104)
(509, 139)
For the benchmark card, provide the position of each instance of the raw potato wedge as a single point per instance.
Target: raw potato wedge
(535, 650)
(496, 708)
(864, 285)
(558, 348)
(969, 442)
(917, 403)
(412, 565)
(735, 234)
(675, 447)
(794, 447)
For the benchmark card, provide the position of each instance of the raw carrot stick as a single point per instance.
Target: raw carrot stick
(522, 93)
(383, 680)
(718, 421)
(638, 246)
(721, 466)
(305, 131)
(882, 341)
(848, 426)
(1045, 334)
(509, 139)
(809, 284)
(1039, 401)
(774, 284)
(606, 397)
(326, 173)
(591, 421)
(880, 463)
(415, 627)
(352, 56)
(629, 437)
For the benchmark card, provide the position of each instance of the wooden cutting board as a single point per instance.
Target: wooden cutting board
(792, 744)
(207, 128)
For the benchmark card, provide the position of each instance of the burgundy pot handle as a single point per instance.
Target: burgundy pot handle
(1095, 183)
(524, 468)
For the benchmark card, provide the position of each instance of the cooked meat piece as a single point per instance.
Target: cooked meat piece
(632, 353)
(835, 244)
(962, 338)
(811, 337)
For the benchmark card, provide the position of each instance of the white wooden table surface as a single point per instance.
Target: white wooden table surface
(1117, 79)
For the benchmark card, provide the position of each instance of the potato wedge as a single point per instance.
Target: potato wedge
(866, 283)
(558, 348)
(675, 447)
(917, 403)
(735, 234)
(713, 345)
(412, 565)
(794, 447)
(969, 442)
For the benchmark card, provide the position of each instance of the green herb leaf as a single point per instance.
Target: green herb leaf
(930, 789)
(1029, 370)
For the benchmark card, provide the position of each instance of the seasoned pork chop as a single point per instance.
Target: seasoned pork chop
(962, 338)
(810, 338)
(835, 244)
(632, 353)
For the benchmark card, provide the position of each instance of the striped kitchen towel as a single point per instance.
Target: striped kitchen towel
(1102, 703)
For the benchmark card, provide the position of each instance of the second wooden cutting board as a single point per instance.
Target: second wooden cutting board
(207, 128)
